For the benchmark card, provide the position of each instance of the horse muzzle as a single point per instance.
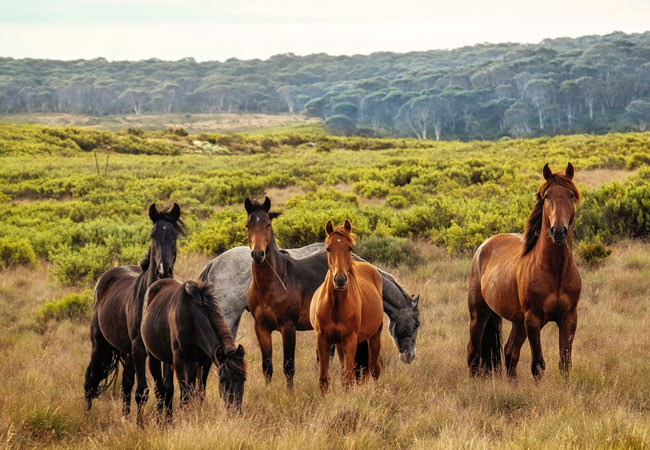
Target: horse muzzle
(341, 282)
(407, 357)
(559, 235)
(258, 257)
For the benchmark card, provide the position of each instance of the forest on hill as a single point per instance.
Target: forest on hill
(593, 84)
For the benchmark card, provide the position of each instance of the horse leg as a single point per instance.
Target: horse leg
(479, 313)
(139, 354)
(513, 347)
(289, 347)
(168, 377)
(159, 384)
(374, 347)
(128, 378)
(103, 362)
(361, 359)
(180, 368)
(323, 349)
(349, 345)
(264, 339)
(567, 333)
(204, 371)
(534, 326)
(192, 378)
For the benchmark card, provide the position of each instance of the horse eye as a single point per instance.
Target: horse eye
(327, 249)
(546, 197)
(350, 249)
(571, 195)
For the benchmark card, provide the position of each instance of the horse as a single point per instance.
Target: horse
(231, 273)
(347, 309)
(529, 280)
(182, 325)
(280, 291)
(117, 312)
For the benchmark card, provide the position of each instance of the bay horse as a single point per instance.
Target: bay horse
(347, 308)
(529, 280)
(117, 312)
(182, 326)
(280, 290)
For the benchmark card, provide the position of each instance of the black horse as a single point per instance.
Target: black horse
(117, 313)
(182, 325)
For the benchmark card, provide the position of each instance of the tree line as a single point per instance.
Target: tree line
(589, 84)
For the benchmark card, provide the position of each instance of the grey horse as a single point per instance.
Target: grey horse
(230, 274)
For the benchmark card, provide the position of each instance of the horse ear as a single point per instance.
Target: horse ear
(191, 289)
(416, 300)
(175, 213)
(266, 206)
(240, 351)
(569, 172)
(248, 205)
(153, 213)
(274, 215)
(347, 225)
(329, 229)
(547, 172)
(221, 354)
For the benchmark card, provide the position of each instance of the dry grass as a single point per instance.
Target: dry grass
(431, 403)
(595, 178)
(194, 123)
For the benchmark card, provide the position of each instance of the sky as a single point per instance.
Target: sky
(247, 29)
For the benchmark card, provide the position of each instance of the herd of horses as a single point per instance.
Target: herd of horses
(142, 317)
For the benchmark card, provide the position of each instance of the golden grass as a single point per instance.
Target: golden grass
(194, 123)
(595, 178)
(431, 403)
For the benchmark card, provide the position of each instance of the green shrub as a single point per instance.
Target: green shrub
(71, 307)
(225, 230)
(396, 201)
(388, 250)
(46, 423)
(83, 267)
(594, 253)
(15, 252)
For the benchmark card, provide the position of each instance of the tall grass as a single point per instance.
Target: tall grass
(431, 403)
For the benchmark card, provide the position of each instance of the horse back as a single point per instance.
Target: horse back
(493, 275)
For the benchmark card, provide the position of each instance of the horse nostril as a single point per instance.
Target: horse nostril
(553, 231)
(565, 231)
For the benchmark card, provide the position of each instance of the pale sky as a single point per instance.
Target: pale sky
(246, 29)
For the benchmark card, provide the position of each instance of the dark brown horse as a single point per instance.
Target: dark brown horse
(281, 288)
(347, 308)
(117, 312)
(529, 280)
(182, 325)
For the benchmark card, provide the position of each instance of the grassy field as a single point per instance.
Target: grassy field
(420, 208)
(193, 123)
(431, 403)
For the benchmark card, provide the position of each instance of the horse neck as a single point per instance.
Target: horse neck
(146, 278)
(555, 258)
(274, 266)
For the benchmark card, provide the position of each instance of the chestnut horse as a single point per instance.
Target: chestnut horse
(347, 308)
(117, 312)
(182, 325)
(529, 280)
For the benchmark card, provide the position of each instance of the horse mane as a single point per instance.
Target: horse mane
(179, 225)
(145, 261)
(204, 295)
(534, 221)
(340, 230)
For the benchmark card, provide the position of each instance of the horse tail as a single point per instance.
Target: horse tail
(491, 345)
(104, 360)
(206, 271)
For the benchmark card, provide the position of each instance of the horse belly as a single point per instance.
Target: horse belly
(499, 291)
(111, 316)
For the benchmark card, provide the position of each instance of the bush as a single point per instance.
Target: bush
(15, 252)
(83, 267)
(388, 250)
(396, 201)
(594, 253)
(71, 307)
(226, 229)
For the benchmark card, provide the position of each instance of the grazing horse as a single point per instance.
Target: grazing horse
(528, 280)
(117, 312)
(347, 308)
(280, 291)
(182, 325)
(231, 274)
